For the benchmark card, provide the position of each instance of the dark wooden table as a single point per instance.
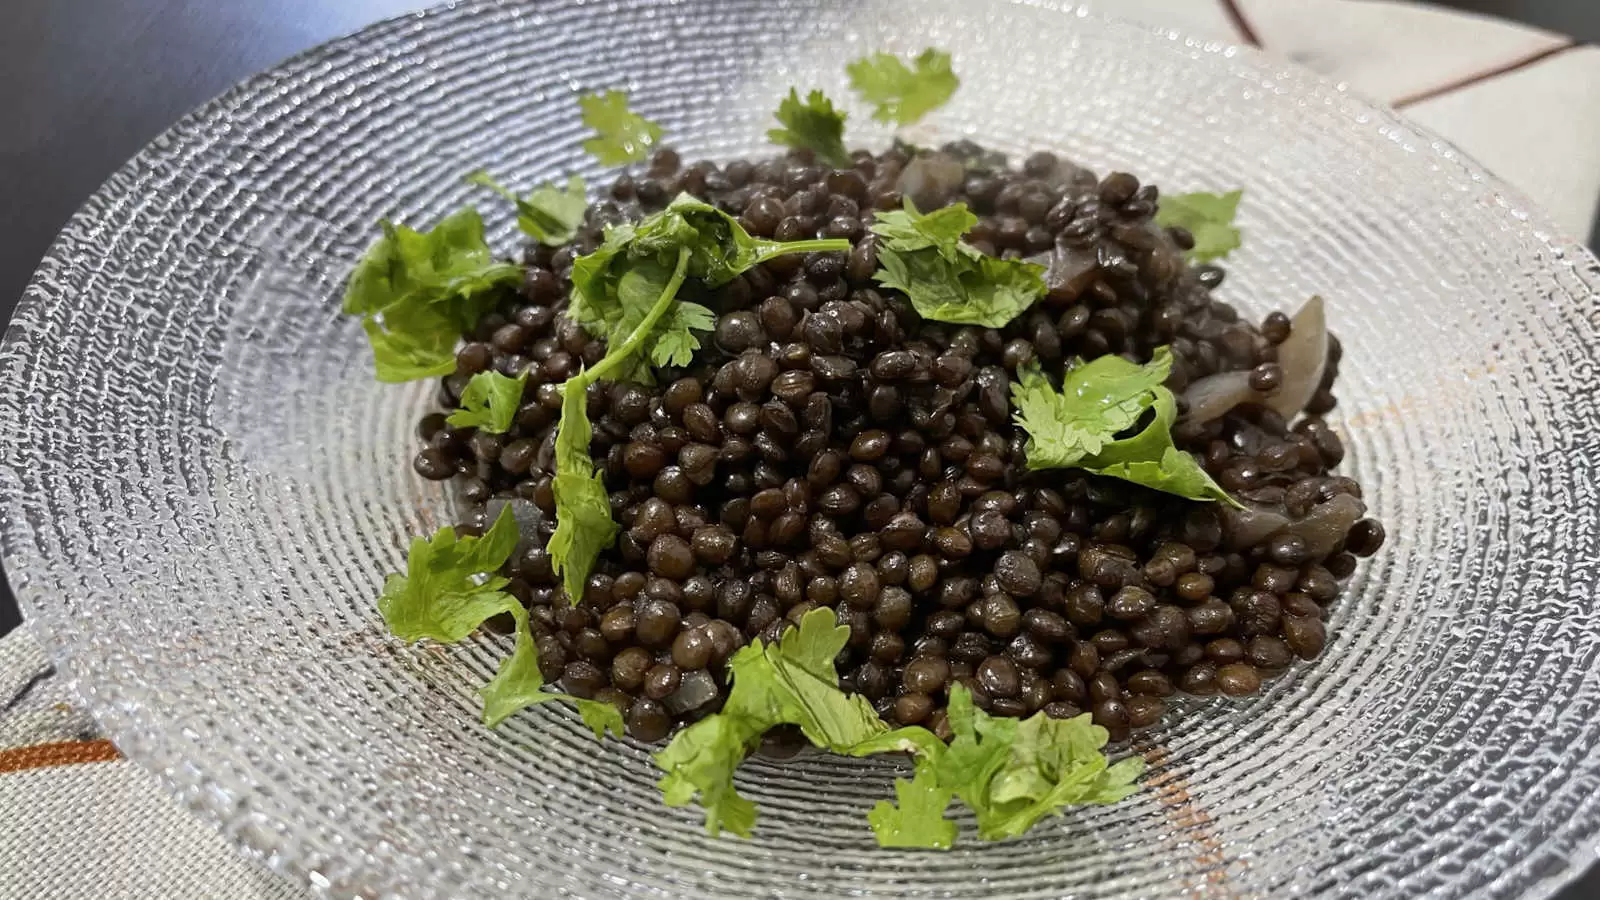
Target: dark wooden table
(85, 83)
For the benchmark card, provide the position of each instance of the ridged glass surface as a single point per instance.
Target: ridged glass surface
(202, 486)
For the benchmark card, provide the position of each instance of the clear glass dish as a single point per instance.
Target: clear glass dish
(201, 485)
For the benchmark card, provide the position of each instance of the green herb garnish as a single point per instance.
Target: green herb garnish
(1079, 426)
(815, 125)
(918, 819)
(449, 590)
(549, 215)
(1011, 773)
(903, 94)
(584, 527)
(621, 136)
(489, 402)
(1209, 217)
(418, 291)
(626, 292)
(613, 287)
(947, 279)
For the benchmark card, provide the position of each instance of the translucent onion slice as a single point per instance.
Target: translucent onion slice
(930, 179)
(1302, 357)
(1213, 396)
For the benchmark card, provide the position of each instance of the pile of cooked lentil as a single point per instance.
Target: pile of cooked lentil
(829, 448)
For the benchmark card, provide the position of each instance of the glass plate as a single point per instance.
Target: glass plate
(202, 486)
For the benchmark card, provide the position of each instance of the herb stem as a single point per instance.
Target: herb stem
(820, 245)
(619, 355)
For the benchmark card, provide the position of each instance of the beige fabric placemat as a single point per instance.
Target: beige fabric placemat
(82, 822)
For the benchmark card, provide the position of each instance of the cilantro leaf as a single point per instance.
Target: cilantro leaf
(907, 231)
(1150, 458)
(999, 291)
(1078, 425)
(412, 339)
(452, 258)
(699, 763)
(438, 597)
(1096, 401)
(418, 291)
(441, 598)
(901, 93)
(517, 683)
(1046, 765)
(946, 279)
(802, 664)
(814, 124)
(489, 402)
(791, 682)
(1209, 217)
(978, 748)
(621, 135)
(919, 819)
(720, 249)
(1010, 773)
(595, 303)
(584, 527)
(616, 285)
(676, 344)
(626, 292)
(600, 716)
(549, 215)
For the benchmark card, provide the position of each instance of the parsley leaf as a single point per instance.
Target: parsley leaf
(904, 94)
(621, 136)
(947, 279)
(418, 291)
(1078, 425)
(1209, 217)
(447, 593)
(549, 215)
(814, 124)
(489, 402)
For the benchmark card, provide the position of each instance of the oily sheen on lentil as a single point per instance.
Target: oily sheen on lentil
(830, 448)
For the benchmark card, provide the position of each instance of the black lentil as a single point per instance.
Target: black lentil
(828, 448)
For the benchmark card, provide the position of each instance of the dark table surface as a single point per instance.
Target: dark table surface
(84, 84)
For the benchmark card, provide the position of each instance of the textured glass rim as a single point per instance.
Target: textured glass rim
(146, 742)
